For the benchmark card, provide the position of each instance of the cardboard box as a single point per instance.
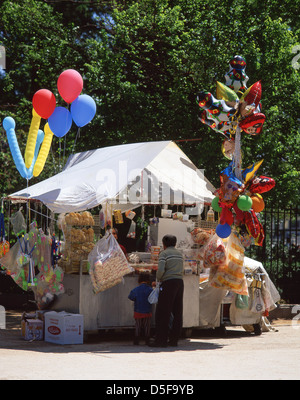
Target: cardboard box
(64, 328)
(32, 329)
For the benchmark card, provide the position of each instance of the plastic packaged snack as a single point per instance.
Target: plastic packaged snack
(214, 252)
(107, 264)
(231, 274)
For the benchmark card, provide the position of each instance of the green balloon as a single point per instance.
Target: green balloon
(215, 205)
(244, 203)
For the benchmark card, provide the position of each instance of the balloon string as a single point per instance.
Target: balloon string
(59, 155)
(27, 196)
(77, 135)
(65, 141)
(53, 159)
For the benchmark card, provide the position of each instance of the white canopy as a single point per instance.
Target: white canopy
(127, 175)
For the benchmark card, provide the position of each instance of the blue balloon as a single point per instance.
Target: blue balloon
(83, 110)
(223, 231)
(9, 125)
(60, 121)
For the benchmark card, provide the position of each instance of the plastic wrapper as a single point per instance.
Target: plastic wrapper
(132, 229)
(107, 264)
(29, 255)
(18, 222)
(9, 260)
(267, 296)
(201, 236)
(153, 296)
(257, 303)
(130, 214)
(214, 253)
(242, 302)
(49, 285)
(231, 274)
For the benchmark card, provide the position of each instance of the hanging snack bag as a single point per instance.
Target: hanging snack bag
(214, 252)
(107, 264)
(132, 229)
(130, 214)
(118, 217)
(18, 222)
(231, 275)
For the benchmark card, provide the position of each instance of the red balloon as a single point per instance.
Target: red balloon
(261, 184)
(253, 94)
(253, 124)
(69, 85)
(44, 103)
(254, 227)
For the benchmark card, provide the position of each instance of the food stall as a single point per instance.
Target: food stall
(121, 179)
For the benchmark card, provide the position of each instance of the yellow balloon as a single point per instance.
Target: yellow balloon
(31, 140)
(44, 151)
(223, 92)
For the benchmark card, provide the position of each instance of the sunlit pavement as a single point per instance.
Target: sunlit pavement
(111, 355)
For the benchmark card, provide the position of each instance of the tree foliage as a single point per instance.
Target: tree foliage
(143, 62)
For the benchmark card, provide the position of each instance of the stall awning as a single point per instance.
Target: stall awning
(124, 175)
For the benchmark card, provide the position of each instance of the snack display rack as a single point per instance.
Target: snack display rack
(79, 240)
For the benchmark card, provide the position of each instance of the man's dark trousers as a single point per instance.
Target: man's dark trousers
(170, 301)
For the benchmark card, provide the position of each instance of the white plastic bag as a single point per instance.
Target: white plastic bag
(18, 222)
(258, 305)
(107, 264)
(153, 296)
(132, 229)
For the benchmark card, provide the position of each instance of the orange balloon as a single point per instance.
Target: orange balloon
(258, 203)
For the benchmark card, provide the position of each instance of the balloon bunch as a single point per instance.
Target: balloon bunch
(229, 111)
(82, 111)
(238, 200)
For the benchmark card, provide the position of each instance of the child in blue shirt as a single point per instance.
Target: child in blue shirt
(142, 307)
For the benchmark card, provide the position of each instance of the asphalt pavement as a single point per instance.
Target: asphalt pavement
(206, 355)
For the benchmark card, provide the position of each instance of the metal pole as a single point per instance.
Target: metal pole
(237, 154)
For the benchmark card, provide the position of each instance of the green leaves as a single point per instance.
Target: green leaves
(144, 62)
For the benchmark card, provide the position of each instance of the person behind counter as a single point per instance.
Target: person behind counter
(114, 232)
(142, 308)
(170, 300)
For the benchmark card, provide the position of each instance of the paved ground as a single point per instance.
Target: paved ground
(204, 356)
